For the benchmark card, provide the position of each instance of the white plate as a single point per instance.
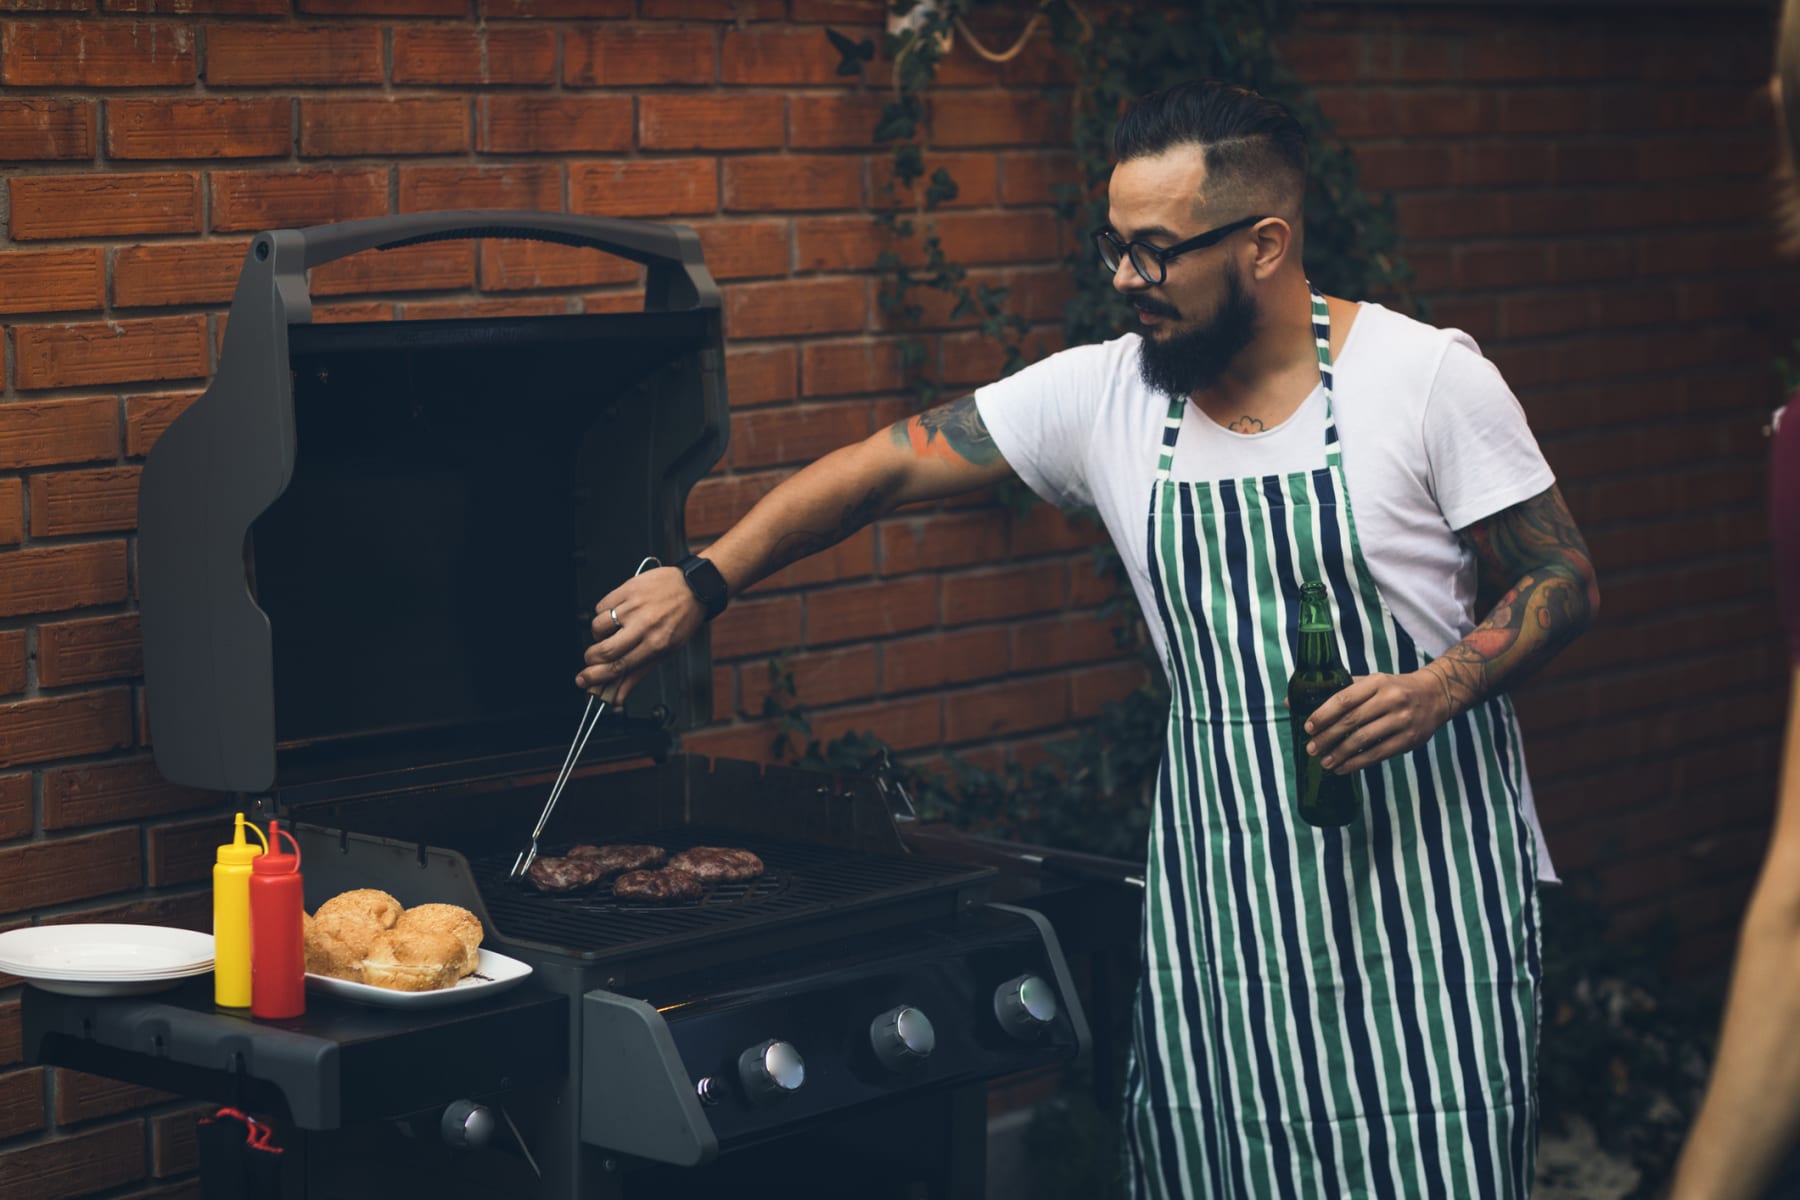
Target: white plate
(502, 972)
(105, 953)
(112, 987)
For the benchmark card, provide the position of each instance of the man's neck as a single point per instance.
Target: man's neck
(1272, 376)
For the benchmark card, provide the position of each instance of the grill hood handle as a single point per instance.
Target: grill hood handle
(678, 278)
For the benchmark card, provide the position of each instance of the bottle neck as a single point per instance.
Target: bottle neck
(1318, 648)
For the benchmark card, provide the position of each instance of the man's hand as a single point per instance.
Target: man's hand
(1377, 717)
(637, 623)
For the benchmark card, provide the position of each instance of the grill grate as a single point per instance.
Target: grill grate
(799, 881)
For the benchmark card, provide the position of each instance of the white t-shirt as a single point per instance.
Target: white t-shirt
(1433, 441)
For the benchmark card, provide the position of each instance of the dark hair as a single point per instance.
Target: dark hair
(1255, 150)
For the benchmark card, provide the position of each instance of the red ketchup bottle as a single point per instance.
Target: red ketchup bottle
(277, 931)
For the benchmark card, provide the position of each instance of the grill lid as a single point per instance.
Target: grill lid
(376, 546)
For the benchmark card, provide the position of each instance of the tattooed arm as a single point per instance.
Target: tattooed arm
(938, 453)
(1533, 554)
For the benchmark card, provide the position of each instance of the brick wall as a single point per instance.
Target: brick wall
(1584, 201)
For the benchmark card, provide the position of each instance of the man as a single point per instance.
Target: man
(1322, 1012)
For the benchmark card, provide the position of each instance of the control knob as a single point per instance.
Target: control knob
(466, 1125)
(902, 1037)
(770, 1069)
(1025, 1006)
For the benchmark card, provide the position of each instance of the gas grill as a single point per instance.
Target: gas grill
(368, 556)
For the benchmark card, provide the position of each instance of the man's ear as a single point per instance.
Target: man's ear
(1269, 243)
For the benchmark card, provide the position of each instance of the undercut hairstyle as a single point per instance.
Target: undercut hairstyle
(1256, 153)
(1787, 119)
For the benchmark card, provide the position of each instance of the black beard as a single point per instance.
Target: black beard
(1184, 363)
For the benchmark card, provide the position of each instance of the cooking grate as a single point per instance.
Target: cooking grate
(799, 881)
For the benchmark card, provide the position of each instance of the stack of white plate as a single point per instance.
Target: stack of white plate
(105, 960)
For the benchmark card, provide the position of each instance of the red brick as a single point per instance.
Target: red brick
(83, 1097)
(934, 660)
(860, 611)
(717, 502)
(852, 243)
(147, 416)
(396, 8)
(552, 124)
(711, 121)
(94, 501)
(660, 187)
(834, 121)
(12, 512)
(977, 178)
(383, 126)
(369, 310)
(903, 724)
(96, 54)
(258, 200)
(448, 54)
(614, 302)
(1004, 709)
(852, 558)
(520, 185)
(1006, 592)
(41, 432)
(21, 1102)
(1092, 689)
(182, 853)
(12, 669)
(40, 127)
(420, 267)
(38, 874)
(198, 7)
(56, 578)
(41, 281)
(768, 437)
(792, 183)
(1032, 177)
(173, 1148)
(938, 540)
(556, 8)
(510, 306)
(828, 677)
(67, 206)
(714, 10)
(167, 273)
(997, 119)
(15, 823)
(756, 375)
(745, 249)
(1045, 530)
(257, 55)
(89, 651)
(193, 128)
(778, 55)
(756, 627)
(793, 308)
(850, 368)
(103, 793)
(110, 352)
(642, 56)
(511, 264)
(864, 12)
(10, 1049)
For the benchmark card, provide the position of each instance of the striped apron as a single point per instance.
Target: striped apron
(1321, 1012)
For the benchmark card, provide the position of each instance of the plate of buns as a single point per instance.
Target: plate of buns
(365, 945)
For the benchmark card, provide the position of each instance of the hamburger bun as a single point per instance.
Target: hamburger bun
(367, 904)
(452, 919)
(413, 961)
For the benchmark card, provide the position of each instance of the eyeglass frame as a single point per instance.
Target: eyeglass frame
(1104, 238)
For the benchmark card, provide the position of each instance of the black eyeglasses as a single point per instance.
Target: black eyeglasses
(1152, 262)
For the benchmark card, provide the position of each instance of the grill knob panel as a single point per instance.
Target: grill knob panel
(902, 1037)
(771, 1069)
(1025, 1006)
(466, 1125)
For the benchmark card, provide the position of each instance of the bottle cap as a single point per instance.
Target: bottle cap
(275, 862)
(237, 852)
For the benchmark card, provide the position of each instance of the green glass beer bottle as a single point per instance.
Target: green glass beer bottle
(1324, 798)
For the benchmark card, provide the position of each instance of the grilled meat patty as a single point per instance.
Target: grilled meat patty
(621, 858)
(670, 883)
(564, 874)
(718, 864)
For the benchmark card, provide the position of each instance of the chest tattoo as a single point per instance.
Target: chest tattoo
(1246, 425)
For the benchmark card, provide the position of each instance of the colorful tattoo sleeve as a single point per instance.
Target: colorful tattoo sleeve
(1535, 556)
(953, 431)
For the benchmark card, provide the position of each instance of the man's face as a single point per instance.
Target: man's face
(1196, 321)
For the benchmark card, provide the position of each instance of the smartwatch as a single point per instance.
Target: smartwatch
(708, 586)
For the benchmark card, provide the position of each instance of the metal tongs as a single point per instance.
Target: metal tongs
(599, 700)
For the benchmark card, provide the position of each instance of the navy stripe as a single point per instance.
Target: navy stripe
(1501, 720)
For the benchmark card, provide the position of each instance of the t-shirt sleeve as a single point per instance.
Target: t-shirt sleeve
(1482, 453)
(1042, 419)
(1784, 499)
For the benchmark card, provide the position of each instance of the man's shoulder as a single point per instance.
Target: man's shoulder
(1388, 350)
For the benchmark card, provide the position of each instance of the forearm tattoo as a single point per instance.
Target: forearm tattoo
(953, 431)
(798, 544)
(1536, 553)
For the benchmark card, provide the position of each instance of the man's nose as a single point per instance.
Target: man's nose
(1126, 279)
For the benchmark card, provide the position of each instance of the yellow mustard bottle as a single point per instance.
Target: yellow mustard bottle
(231, 918)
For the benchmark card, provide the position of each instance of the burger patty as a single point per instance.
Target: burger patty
(564, 874)
(718, 864)
(670, 883)
(614, 859)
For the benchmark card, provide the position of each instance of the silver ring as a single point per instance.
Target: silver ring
(614, 614)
